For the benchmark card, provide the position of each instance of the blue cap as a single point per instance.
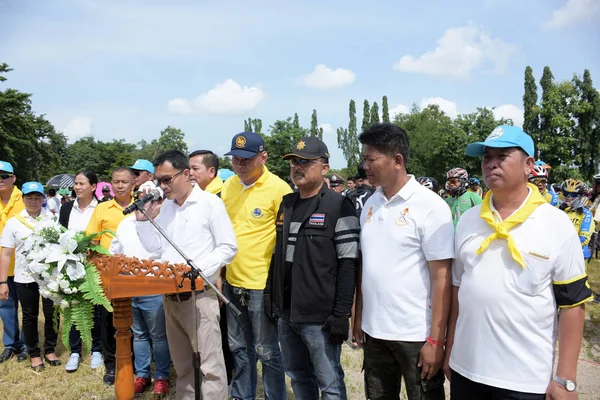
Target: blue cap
(225, 174)
(502, 137)
(6, 167)
(32, 187)
(143, 165)
(246, 145)
(475, 180)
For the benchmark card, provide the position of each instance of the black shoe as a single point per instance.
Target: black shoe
(109, 377)
(22, 356)
(38, 368)
(6, 355)
(54, 363)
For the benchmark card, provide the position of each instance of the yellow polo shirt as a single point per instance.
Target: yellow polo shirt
(215, 186)
(107, 215)
(7, 213)
(252, 212)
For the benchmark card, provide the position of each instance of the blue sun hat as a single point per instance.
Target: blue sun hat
(503, 136)
(32, 187)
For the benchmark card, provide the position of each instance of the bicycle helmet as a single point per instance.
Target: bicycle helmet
(462, 175)
(429, 183)
(597, 178)
(573, 186)
(474, 181)
(539, 171)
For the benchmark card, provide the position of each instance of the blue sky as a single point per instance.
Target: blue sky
(127, 69)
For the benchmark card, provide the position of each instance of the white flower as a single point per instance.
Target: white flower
(75, 270)
(63, 252)
(63, 283)
(45, 275)
(53, 286)
(44, 292)
(64, 304)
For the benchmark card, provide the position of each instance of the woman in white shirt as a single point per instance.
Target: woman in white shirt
(13, 237)
(76, 215)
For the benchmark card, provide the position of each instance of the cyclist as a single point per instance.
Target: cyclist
(539, 177)
(573, 191)
(429, 183)
(475, 187)
(460, 200)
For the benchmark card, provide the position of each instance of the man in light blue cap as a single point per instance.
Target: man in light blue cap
(143, 171)
(511, 284)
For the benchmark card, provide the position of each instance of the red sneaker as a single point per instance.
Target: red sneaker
(161, 387)
(141, 384)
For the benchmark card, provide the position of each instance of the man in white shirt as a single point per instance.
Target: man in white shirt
(198, 223)
(507, 285)
(53, 203)
(403, 291)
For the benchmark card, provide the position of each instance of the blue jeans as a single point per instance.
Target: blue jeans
(310, 360)
(253, 336)
(12, 337)
(149, 327)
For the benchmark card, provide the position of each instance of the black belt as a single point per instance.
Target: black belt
(185, 295)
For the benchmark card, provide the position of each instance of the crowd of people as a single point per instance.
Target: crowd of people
(432, 284)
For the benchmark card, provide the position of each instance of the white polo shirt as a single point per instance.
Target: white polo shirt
(13, 237)
(398, 238)
(127, 242)
(507, 322)
(79, 219)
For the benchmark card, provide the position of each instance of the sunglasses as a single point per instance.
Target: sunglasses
(136, 172)
(570, 194)
(6, 176)
(301, 162)
(168, 180)
(454, 181)
(538, 181)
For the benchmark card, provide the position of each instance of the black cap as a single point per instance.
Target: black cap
(335, 178)
(105, 188)
(246, 145)
(309, 148)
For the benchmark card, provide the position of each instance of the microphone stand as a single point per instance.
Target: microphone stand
(192, 275)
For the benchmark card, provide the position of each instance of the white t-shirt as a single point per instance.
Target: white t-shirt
(13, 237)
(54, 205)
(507, 323)
(79, 219)
(398, 238)
(127, 242)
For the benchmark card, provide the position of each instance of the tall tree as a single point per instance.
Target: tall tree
(545, 117)
(296, 122)
(248, 125)
(314, 126)
(282, 138)
(587, 114)
(253, 125)
(374, 113)
(170, 139)
(366, 121)
(348, 141)
(385, 110)
(531, 122)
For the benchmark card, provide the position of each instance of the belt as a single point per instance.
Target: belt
(185, 295)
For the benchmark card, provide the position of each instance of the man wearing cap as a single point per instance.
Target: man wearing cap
(143, 171)
(311, 280)
(336, 183)
(11, 204)
(252, 199)
(107, 216)
(507, 285)
(106, 196)
(204, 165)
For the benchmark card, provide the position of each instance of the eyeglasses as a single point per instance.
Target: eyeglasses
(454, 181)
(301, 162)
(538, 181)
(136, 172)
(6, 176)
(168, 180)
(570, 194)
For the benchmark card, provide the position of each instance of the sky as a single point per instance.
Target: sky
(127, 69)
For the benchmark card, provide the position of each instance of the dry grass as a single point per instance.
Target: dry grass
(56, 384)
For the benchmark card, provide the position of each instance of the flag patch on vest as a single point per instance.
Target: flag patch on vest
(317, 219)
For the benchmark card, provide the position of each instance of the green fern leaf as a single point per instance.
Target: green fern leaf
(92, 288)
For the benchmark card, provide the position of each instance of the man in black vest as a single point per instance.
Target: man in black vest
(311, 280)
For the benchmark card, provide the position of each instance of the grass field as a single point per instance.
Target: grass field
(18, 381)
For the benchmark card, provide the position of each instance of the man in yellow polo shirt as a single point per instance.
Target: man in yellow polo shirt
(11, 203)
(204, 165)
(107, 216)
(252, 198)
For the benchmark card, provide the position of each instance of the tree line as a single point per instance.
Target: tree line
(564, 122)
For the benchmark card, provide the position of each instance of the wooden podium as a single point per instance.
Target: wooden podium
(122, 279)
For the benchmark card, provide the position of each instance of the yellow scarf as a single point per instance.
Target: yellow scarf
(501, 229)
(22, 220)
(5, 210)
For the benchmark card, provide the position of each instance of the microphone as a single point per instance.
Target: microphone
(155, 194)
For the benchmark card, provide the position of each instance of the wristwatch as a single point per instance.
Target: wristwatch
(569, 386)
(4, 283)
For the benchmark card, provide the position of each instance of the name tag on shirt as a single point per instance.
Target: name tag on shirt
(317, 220)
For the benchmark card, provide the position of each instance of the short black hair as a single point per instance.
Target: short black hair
(209, 159)
(124, 169)
(177, 159)
(52, 192)
(388, 138)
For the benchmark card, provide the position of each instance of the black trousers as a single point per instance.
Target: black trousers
(464, 388)
(107, 339)
(29, 297)
(75, 336)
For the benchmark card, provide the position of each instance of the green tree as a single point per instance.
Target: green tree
(170, 139)
(314, 126)
(225, 163)
(385, 110)
(282, 138)
(348, 141)
(253, 125)
(296, 123)
(531, 123)
(587, 130)
(366, 121)
(374, 113)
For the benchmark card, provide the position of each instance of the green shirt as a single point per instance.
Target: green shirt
(458, 205)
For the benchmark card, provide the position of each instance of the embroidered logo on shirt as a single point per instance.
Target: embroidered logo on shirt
(369, 215)
(317, 219)
(257, 213)
(401, 220)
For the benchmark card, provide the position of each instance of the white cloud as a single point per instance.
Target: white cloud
(399, 109)
(227, 98)
(573, 11)
(327, 128)
(509, 111)
(460, 51)
(77, 128)
(447, 106)
(323, 78)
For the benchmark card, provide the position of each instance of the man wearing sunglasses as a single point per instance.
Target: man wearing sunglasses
(143, 171)
(460, 199)
(11, 204)
(574, 204)
(252, 198)
(539, 177)
(311, 282)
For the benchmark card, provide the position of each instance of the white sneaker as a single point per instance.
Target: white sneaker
(73, 362)
(96, 360)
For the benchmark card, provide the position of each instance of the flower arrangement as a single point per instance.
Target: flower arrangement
(57, 259)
